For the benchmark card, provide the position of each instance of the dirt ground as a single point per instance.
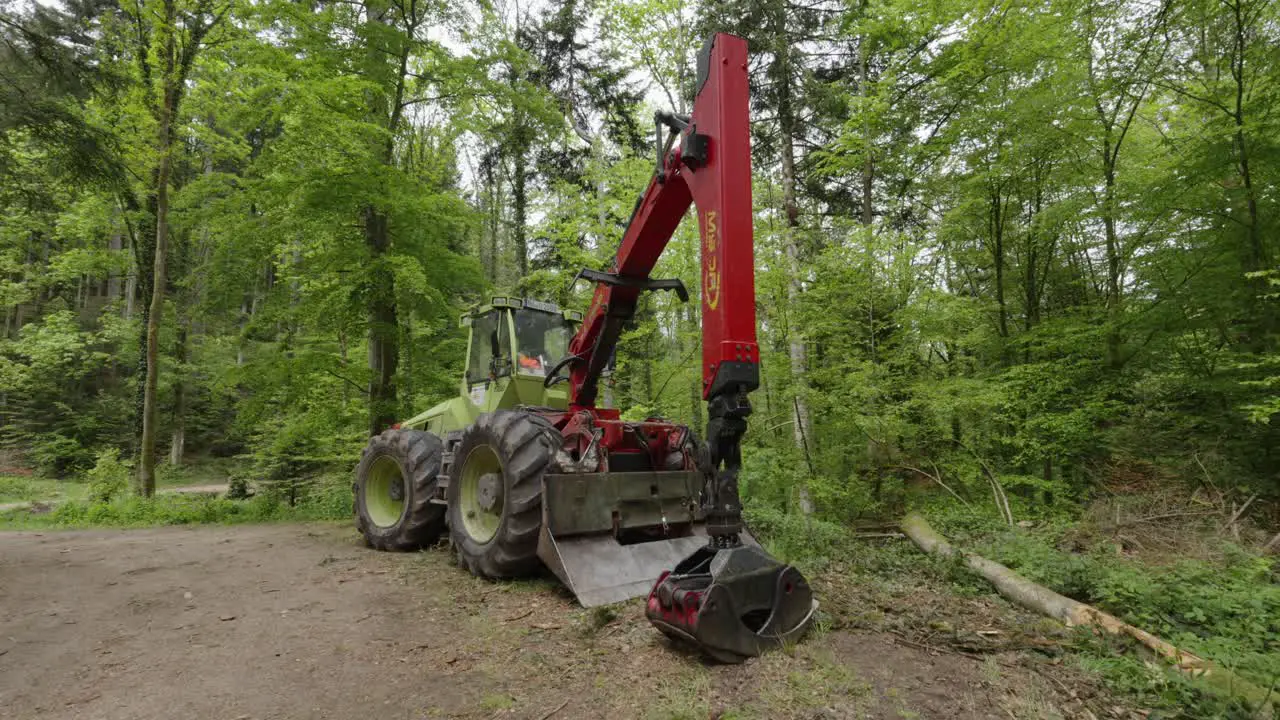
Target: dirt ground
(301, 621)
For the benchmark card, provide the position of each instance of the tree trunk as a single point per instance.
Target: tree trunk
(521, 200)
(1031, 316)
(384, 329)
(116, 244)
(494, 216)
(1257, 258)
(997, 256)
(130, 294)
(343, 361)
(387, 110)
(791, 209)
(1258, 255)
(868, 164)
(144, 282)
(178, 439)
(1073, 613)
(1113, 255)
(168, 108)
(868, 184)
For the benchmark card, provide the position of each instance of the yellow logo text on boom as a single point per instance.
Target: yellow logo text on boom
(711, 281)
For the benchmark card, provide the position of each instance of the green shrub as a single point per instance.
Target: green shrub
(109, 478)
(329, 498)
(291, 454)
(13, 489)
(238, 487)
(1227, 611)
(770, 476)
(173, 509)
(1076, 576)
(808, 542)
(58, 456)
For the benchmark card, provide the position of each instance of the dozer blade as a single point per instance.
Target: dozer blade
(733, 603)
(607, 536)
(599, 570)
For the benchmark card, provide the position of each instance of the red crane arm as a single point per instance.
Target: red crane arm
(711, 168)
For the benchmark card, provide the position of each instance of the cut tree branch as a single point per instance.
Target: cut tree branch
(938, 479)
(1074, 613)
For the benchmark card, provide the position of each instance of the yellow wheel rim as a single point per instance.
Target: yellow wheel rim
(384, 492)
(481, 494)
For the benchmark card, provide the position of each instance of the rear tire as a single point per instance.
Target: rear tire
(495, 492)
(395, 481)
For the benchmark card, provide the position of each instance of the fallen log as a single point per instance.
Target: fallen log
(1073, 613)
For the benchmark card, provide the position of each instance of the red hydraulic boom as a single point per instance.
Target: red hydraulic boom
(729, 597)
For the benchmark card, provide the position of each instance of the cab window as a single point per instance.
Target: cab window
(542, 340)
(490, 347)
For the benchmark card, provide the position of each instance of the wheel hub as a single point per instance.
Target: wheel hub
(396, 491)
(489, 492)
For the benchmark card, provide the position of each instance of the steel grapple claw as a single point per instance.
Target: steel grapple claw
(732, 603)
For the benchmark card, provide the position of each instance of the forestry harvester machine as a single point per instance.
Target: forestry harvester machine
(523, 469)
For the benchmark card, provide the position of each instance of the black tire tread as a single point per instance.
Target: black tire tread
(423, 522)
(525, 444)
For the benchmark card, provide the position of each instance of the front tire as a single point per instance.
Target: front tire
(495, 493)
(395, 481)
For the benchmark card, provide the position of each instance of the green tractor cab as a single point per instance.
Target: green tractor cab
(513, 343)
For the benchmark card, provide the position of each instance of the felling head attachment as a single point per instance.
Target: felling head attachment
(732, 603)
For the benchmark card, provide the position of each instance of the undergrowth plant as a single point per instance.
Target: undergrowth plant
(109, 477)
(109, 504)
(1225, 609)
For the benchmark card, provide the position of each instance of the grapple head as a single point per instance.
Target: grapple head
(732, 603)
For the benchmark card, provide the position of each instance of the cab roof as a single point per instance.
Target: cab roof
(514, 303)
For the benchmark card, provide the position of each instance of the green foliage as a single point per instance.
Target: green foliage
(238, 487)
(289, 455)
(1172, 695)
(32, 489)
(810, 543)
(1225, 610)
(109, 478)
(164, 509)
(329, 498)
(53, 455)
(16, 489)
(1228, 612)
(1262, 371)
(58, 380)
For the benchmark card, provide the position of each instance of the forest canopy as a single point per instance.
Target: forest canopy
(1028, 245)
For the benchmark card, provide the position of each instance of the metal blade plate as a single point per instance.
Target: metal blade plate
(599, 570)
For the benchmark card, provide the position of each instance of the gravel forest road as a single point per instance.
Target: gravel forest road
(301, 621)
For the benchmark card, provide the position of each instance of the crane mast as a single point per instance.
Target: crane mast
(710, 168)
